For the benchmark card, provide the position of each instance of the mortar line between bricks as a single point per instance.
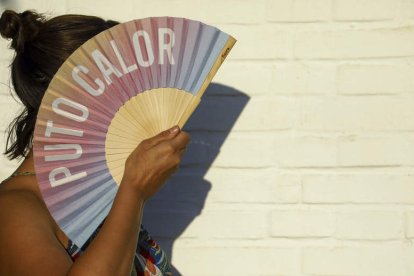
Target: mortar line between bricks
(410, 169)
(321, 241)
(367, 60)
(286, 206)
(330, 24)
(347, 59)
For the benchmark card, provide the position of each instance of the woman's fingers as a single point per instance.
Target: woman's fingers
(182, 151)
(162, 136)
(180, 141)
(155, 160)
(174, 145)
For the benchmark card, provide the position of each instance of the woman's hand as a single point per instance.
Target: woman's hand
(154, 160)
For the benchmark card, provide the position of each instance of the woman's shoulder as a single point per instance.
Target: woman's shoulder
(22, 207)
(27, 203)
(27, 235)
(17, 195)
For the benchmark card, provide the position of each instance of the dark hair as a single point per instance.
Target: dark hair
(41, 46)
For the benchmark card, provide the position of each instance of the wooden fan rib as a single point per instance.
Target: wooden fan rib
(146, 108)
(132, 109)
(119, 125)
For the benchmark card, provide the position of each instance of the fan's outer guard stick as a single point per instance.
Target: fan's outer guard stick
(224, 52)
(196, 100)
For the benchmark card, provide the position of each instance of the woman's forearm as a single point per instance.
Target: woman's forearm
(113, 249)
(146, 169)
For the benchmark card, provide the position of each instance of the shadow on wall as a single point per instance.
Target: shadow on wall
(182, 198)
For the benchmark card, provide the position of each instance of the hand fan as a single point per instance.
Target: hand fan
(126, 84)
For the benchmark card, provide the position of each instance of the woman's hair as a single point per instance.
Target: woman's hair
(41, 46)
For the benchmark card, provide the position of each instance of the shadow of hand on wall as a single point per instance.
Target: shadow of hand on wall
(168, 214)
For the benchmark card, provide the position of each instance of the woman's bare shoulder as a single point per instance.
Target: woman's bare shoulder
(27, 234)
(20, 211)
(15, 200)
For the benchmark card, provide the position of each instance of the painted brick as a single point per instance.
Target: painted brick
(363, 152)
(234, 224)
(6, 166)
(5, 82)
(392, 78)
(50, 8)
(251, 78)
(6, 55)
(176, 8)
(245, 151)
(124, 11)
(249, 261)
(364, 113)
(358, 188)
(345, 44)
(303, 78)
(261, 186)
(298, 10)
(301, 223)
(259, 42)
(206, 11)
(286, 188)
(364, 10)
(373, 260)
(9, 109)
(305, 152)
(206, 150)
(409, 224)
(369, 225)
(276, 113)
(232, 11)
(406, 10)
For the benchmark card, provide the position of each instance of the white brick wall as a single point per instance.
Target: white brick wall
(364, 10)
(317, 175)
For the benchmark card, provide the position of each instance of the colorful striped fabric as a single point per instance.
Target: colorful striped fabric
(149, 259)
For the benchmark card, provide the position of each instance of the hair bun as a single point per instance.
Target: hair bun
(20, 27)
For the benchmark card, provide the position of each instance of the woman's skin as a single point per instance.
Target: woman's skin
(31, 243)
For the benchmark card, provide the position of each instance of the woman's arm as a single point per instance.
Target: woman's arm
(29, 246)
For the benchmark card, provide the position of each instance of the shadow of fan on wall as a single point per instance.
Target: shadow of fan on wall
(168, 214)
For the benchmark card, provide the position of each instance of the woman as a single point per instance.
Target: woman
(31, 242)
